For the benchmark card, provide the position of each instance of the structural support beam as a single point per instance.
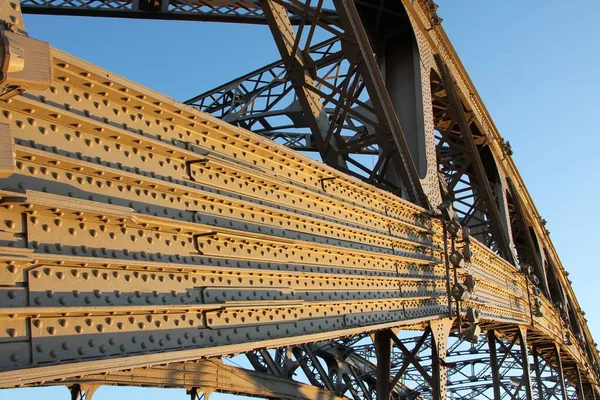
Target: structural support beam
(236, 11)
(532, 251)
(578, 384)
(357, 48)
(462, 146)
(526, 378)
(538, 365)
(559, 369)
(507, 358)
(140, 232)
(494, 364)
(383, 349)
(205, 376)
(298, 70)
(440, 330)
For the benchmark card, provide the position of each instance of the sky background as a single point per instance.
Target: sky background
(535, 64)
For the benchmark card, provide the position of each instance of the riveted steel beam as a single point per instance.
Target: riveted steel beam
(139, 232)
(205, 376)
(242, 11)
(155, 257)
(425, 23)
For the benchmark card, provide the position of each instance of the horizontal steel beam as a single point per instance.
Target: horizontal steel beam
(209, 376)
(139, 231)
(238, 11)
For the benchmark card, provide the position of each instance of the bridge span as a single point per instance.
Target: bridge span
(143, 240)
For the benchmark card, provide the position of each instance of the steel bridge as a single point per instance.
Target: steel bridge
(144, 241)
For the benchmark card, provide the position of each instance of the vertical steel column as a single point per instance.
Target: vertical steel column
(538, 372)
(383, 350)
(438, 373)
(579, 384)
(400, 63)
(491, 338)
(522, 337)
(76, 392)
(440, 331)
(559, 369)
(82, 392)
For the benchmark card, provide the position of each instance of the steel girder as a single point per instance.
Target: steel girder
(263, 101)
(203, 378)
(299, 66)
(237, 11)
(426, 24)
(476, 198)
(140, 289)
(347, 368)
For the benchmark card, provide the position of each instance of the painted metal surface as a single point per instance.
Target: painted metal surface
(142, 234)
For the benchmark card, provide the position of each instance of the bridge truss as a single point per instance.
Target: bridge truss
(143, 240)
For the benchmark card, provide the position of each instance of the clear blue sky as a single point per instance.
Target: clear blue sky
(535, 64)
